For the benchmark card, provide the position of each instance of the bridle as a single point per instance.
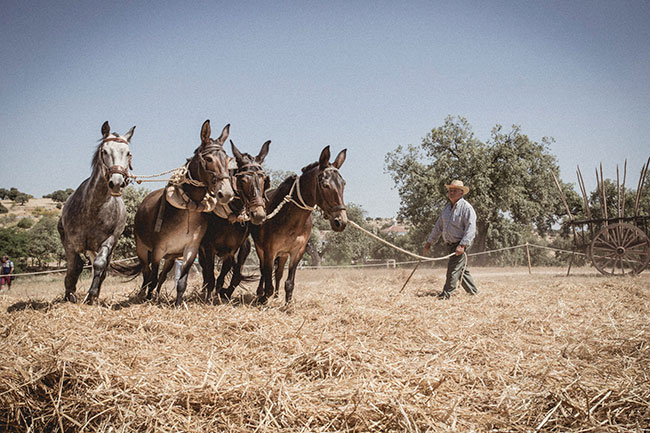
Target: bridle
(116, 169)
(328, 210)
(252, 169)
(204, 167)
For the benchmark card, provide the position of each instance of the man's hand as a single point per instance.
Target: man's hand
(460, 249)
(426, 249)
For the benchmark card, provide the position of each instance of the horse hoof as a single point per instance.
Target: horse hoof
(70, 297)
(261, 300)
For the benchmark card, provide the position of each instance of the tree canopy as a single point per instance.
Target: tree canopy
(509, 175)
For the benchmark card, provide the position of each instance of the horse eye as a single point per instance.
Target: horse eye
(209, 158)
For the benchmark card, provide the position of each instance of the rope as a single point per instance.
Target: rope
(148, 178)
(423, 258)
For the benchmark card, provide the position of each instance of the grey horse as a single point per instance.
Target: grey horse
(94, 216)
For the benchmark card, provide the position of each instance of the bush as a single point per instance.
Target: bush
(25, 223)
(3, 209)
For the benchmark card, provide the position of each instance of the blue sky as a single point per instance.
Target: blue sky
(366, 76)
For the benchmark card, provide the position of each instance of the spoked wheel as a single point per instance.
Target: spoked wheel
(619, 249)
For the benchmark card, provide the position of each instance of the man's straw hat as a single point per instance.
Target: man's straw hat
(457, 184)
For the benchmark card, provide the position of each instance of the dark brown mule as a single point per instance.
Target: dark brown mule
(285, 234)
(225, 237)
(171, 222)
(94, 216)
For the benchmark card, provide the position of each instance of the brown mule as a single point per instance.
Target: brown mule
(285, 233)
(171, 222)
(228, 237)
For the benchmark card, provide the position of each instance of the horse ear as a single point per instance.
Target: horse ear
(263, 152)
(205, 132)
(236, 152)
(106, 129)
(129, 134)
(340, 159)
(324, 158)
(224, 134)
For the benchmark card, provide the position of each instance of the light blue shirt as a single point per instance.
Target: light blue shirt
(455, 224)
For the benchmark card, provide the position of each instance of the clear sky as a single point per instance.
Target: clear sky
(362, 75)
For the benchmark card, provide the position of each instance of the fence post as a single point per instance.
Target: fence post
(528, 255)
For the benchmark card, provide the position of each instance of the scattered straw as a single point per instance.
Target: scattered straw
(533, 353)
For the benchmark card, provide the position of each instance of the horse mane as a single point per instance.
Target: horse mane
(277, 195)
(310, 166)
(95, 162)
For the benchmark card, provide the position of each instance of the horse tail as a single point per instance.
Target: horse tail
(128, 270)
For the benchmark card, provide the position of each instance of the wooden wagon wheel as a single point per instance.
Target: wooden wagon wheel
(619, 249)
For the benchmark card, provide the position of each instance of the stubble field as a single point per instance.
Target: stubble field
(540, 352)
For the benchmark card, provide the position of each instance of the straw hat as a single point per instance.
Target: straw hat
(457, 184)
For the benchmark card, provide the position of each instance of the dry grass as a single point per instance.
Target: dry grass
(529, 353)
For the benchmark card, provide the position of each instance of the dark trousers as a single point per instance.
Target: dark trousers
(457, 270)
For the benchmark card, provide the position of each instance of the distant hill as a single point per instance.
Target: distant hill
(34, 208)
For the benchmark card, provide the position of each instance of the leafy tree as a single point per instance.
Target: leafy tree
(350, 245)
(44, 242)
(14, 242)
(60, 196)
(3, 209)
(132, 198)
(512, 189)
(13, 192)
(4, 193)
(22, 198)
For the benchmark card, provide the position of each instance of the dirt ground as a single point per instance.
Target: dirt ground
(540, 352)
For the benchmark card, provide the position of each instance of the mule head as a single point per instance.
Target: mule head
(329, 189)
(250, 181)
(114, 156)
(211, 164)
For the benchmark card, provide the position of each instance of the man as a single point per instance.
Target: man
(6, 270)
(457, 227)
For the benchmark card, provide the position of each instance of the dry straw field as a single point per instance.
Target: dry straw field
(540, 352)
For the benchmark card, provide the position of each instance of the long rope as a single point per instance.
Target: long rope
(423, 258)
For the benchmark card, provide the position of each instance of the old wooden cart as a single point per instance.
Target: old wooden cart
(616, 245)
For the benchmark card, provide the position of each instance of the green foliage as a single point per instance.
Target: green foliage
(3, 209)
(44, 242)
(350, 245)
(25, 223)
(14, 242)
(4, 193)
(22, 198)
(126, 244)
(60, 196)
(511, 187)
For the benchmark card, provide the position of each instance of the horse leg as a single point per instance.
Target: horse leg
(153, 278)
(279, 271)
(289, 284)
(169, 264)
(74, 268)
(206, 260)
(266, 280)
(237, 276)
(226, 267)
(188, 260)
(100, 264)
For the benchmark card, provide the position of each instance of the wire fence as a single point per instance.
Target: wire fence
(389, 263)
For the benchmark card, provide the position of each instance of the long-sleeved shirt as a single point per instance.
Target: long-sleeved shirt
(455, 224)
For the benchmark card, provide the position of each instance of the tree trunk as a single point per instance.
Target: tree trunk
(313, 253)
(480, 242)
